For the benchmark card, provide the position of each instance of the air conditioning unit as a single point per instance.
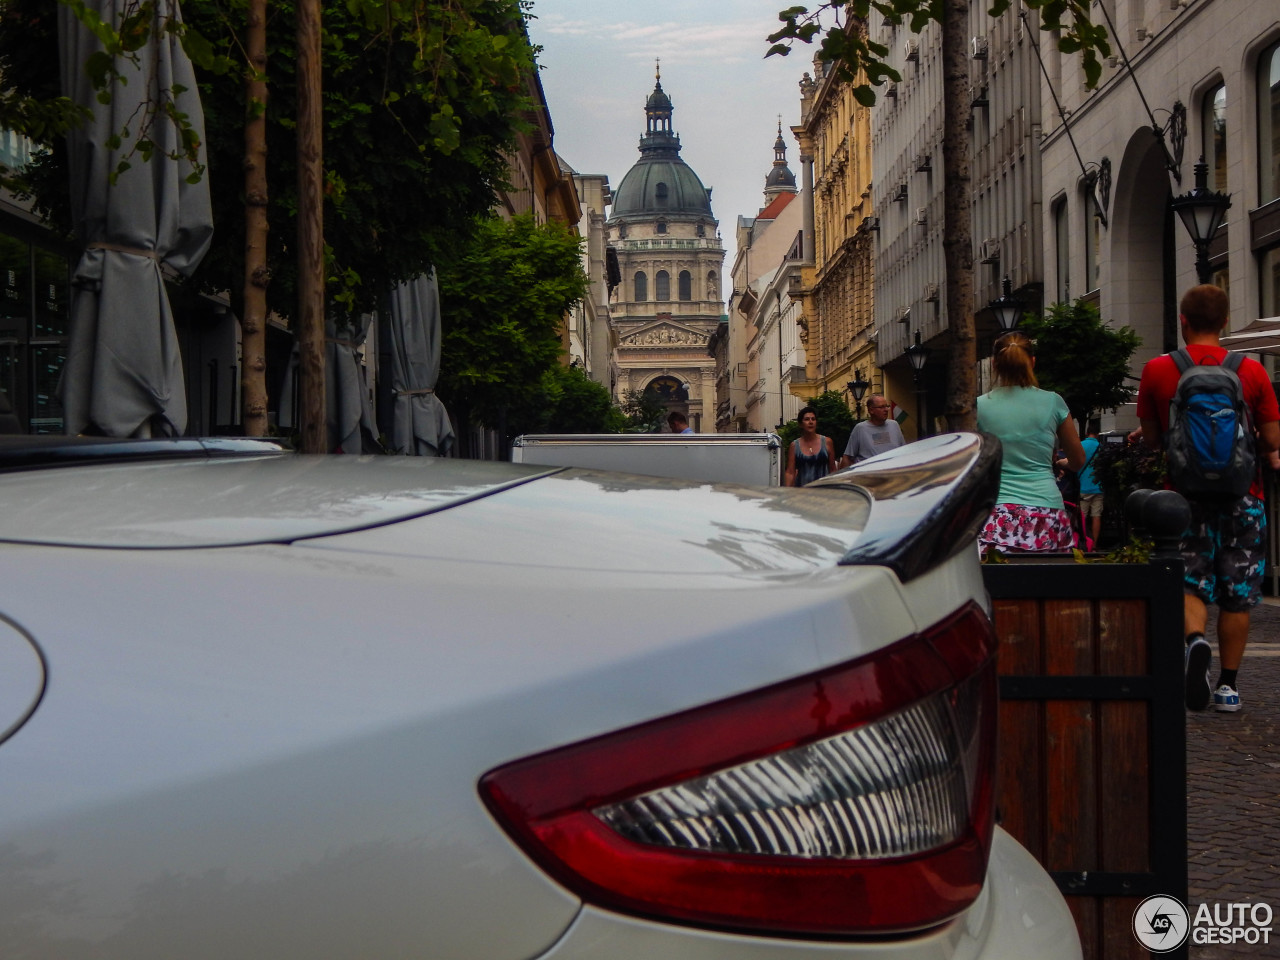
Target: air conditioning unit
(990, 250)
(922, 216)
(923, 163)
(871, 224)
(978, 48)
(891, 91)
(1141, 34)
(899, 193)
(930, 293)
(911, 50)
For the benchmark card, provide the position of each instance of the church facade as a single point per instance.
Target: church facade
(671, 262)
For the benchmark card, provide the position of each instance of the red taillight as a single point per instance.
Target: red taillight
(852, 801)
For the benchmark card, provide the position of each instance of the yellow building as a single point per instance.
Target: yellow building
(837, 320)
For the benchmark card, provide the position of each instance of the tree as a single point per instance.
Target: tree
(577, 404)
(644, 412)
(861, 62)
(1082, 358)
(504, 296)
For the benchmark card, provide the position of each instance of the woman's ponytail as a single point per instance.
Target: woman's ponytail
(1012, 358)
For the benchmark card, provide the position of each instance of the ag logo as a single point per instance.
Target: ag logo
(1161, 923)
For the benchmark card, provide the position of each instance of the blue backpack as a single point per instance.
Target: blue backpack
(1210, 444)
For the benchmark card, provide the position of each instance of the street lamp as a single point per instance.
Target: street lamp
(858, 387)
(917, 356)
(1202, 212)
(1007, 309)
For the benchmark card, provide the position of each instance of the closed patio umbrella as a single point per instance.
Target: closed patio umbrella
(420, 425)
(123, 374)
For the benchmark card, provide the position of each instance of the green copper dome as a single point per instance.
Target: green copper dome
(660, 184)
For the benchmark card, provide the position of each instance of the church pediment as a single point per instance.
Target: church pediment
(664, 333)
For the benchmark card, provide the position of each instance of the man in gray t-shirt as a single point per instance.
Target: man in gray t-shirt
(873, 436)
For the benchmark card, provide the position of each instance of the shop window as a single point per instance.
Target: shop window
(662, 285)
(34, 298)
(1215, 136)
(1270, 276)
(686, 285)
(642, 286)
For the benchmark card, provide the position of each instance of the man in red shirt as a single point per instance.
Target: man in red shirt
(1224, 549)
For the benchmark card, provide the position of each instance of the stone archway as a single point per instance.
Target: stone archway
(1143, 291)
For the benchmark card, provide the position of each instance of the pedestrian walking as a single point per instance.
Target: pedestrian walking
(1091, 499)
(810, 455)
(1031, 423)
(677, 422)
(1224, 548)
(874, 435)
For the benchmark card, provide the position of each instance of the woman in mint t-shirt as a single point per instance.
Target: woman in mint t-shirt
(1031, 424)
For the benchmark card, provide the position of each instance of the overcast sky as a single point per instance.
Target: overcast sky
(598, 61)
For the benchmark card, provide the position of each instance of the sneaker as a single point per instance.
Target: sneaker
(1226, 699)
(1199, 653)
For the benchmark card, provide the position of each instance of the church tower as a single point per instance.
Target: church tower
(671, 259)
(780, 178)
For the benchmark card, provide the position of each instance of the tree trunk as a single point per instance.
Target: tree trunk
(315, 433)
(957, 243)
(253, 332)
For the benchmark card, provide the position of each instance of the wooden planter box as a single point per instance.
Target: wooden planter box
(1092, 748)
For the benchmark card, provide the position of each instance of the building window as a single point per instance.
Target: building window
(661, 227)
(660, 193)
(662, 285)
(702, 230)
(642, 286)
(1269, 124)
(686, 285)
(1062, 250)
(1215, 136)
(1092, 242)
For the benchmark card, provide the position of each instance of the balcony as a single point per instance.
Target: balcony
(669, 243)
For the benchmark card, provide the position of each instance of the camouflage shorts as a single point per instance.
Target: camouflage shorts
(1225, 552)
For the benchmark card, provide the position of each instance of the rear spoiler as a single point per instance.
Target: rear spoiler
(930, 500)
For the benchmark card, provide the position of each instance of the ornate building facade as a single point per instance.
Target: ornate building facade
(837, 321)
(763, 352)
(670, 259)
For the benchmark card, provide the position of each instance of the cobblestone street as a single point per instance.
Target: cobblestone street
(1233, 794)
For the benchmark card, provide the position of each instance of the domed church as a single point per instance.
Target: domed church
(671, 260)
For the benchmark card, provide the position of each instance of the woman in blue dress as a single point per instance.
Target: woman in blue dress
(810, 455)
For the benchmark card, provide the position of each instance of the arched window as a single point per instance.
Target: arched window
(660, 193)
(1215, 136)
(662, 285)
(642, 286)
(661, 227)
(1269, 124)
(702, 230)
(686, 285)
(713, 286)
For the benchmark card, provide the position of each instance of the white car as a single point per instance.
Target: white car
(260, 705)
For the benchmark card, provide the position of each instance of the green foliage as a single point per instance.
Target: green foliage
(861, 61)
(421, 99)
(834, 420)
(643, 412)
(1121, 468)
(1082, 358)
(503, 298)
(577, 404)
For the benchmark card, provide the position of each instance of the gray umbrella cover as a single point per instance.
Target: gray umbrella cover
(123, 375)
(421, 425)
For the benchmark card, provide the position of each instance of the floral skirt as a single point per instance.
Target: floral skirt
(1016, 528)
